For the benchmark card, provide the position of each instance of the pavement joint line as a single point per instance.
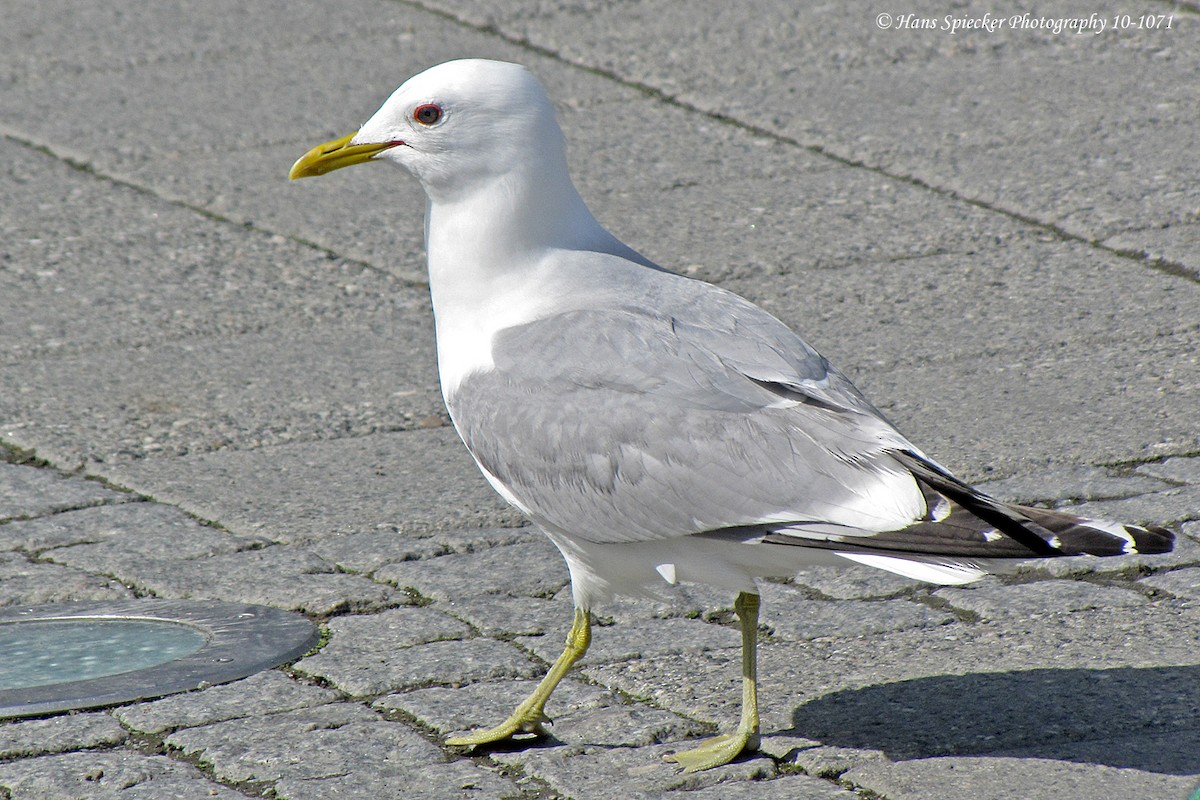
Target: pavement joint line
(248, 788)
(1133, 463)
(1158, 264)
(87, 168)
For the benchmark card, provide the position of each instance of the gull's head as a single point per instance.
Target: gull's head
(452, 126)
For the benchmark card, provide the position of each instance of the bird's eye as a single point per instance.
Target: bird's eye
(427, 114)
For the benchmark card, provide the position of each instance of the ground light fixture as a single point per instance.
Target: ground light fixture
(68, 656)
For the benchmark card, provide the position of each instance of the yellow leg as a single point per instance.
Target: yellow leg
(722, 749)
(530, 714)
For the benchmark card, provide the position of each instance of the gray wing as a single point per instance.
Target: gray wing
(620, 425)
(624, 425)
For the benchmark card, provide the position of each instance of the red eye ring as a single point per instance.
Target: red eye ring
(427, 114)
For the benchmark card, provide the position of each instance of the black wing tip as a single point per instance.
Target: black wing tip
(1151, 540)
(1045, 533)
(1073, 535)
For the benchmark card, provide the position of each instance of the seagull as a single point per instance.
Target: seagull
(657, 428)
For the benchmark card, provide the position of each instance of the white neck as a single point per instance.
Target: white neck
(487, 255)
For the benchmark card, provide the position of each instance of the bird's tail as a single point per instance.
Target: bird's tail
(1041, 532)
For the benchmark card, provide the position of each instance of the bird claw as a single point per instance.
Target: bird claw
(506, 731)
(714, 752)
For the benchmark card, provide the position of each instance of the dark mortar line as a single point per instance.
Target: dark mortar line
(858, 789)
(145, 191)
(69, 509)
(1163, 265)
(248, 788)
(1132, 463)
(962, 615)
(80, 747)
(20, 456)
(306, 439)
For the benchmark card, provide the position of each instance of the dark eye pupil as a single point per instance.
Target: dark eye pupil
(427, 114)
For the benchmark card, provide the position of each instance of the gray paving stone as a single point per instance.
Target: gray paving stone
(792, 617)
(991, 599)
(626, 641)
(1180, 582)
(1177, 470)
(397, 627)
(146, 532)
(129, 525)
(1025, 427)
(108, 775)
(1072, 484)
(280, 575)
(305, 744)
(207, 394)
(853, 582)
(821, 761)
(418, 481)
(1175, 244)
(834, 222)
(992, 778)
(534, 569)
(458, 780)
(58, 734)
(585, 772)
(833, 100)
(181, 275)
(367, 552)
(840, 112)
(376, 670)
(24, 582)
(1170, 505)
(265, 693)
(358, 657)
(783, 748)
(228, 35)
(504, 616)
(27, 491)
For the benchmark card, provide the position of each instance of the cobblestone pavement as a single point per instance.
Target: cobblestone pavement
(215, 384)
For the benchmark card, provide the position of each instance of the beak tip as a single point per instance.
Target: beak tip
(333, 155)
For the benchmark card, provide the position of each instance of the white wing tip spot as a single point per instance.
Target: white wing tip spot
(1114, 529)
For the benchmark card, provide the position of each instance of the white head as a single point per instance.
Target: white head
(454, 126)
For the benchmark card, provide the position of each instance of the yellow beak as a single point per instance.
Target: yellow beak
(335, 155)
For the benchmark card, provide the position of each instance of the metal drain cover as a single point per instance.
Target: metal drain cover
(84, 655)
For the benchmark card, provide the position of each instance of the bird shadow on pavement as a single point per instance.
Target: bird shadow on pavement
(1061, 714)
